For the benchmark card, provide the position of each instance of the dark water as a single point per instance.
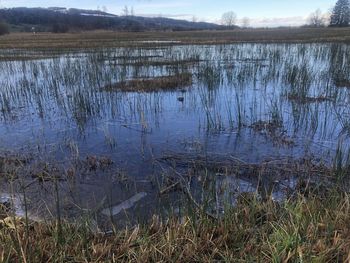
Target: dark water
(251, 101)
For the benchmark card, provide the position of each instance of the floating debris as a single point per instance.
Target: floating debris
(115, 210)
(10, 205)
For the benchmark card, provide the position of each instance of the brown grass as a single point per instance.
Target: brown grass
(166, 83)
(311, 225)
(155, 63)
(113, 39)
(312, 229)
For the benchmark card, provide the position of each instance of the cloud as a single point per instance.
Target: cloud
(170, 9)
(278, 21)
(175, 16)
(164, 5)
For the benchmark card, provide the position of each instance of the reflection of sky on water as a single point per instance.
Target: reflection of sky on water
(50, 104)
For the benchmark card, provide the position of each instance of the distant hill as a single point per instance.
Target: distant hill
(58, 19)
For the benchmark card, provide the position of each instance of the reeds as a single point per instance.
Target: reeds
(164, 83)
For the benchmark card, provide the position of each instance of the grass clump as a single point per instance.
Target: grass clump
(306, 99)
(308, 227)
(164, 83)
(342, 82)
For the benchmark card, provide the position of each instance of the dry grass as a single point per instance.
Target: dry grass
(165, 83)
(113, 39)
(311, 225)
(312, 229)
(159, 63)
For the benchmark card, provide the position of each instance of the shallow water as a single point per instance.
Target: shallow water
(56, 110)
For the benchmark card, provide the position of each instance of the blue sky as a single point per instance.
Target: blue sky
(261, 12)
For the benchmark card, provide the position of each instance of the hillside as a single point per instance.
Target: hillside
(57, 19)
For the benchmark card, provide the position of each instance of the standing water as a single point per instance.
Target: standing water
(121, 130)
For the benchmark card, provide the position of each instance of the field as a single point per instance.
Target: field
(100, 39)
(175, 146)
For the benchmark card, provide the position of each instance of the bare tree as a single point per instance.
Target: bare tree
(229, 18)
(194, 19)
(132, 11)
(317, 19)
(125, 11)
(245, 22)
(104, 9)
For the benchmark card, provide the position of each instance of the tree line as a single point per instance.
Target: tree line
(60, 23)
(339, 17)
(48, 20)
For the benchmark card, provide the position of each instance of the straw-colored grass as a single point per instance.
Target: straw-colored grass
(165, 83)
(308, 228)
(96, 39)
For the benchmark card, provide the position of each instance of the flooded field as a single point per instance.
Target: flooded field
(126, 133)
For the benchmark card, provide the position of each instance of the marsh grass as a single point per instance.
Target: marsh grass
(165, 83)
(238, 90)
(312, 226)
(342, 83)
(116, 39)
(306, 99)
(159, 63)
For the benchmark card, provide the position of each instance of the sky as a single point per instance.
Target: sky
(267, 13)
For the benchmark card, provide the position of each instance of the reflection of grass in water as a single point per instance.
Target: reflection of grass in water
(235, 85)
